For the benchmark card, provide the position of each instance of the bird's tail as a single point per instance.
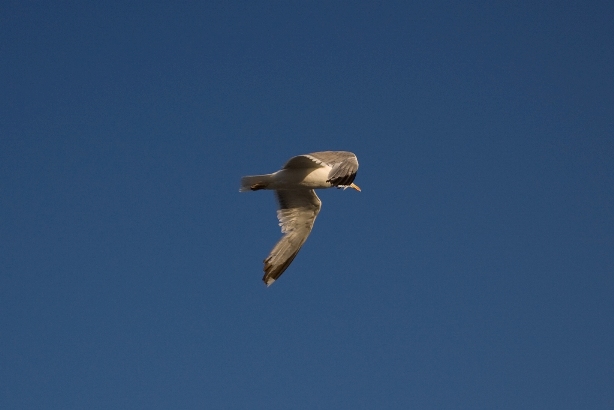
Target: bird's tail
(255, 182)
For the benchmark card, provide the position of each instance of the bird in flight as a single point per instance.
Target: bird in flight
(299, 205)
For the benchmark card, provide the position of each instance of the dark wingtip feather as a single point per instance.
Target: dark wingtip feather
(344, 180)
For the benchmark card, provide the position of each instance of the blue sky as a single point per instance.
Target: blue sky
(473, 271)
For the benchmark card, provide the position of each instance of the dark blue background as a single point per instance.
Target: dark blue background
(474, 271)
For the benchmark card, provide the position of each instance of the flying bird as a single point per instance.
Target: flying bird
(299, 205)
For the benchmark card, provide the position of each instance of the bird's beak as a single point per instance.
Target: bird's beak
(353, 185)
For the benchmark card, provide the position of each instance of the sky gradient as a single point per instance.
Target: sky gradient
(473, 271)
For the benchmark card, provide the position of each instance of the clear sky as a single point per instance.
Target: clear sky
(475, 270)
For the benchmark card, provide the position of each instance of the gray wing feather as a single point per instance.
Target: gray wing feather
(297, 212)
(344, 165)
(343, 173)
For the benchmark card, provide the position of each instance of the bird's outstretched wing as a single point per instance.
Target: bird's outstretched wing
(297, 212)
(343, 165)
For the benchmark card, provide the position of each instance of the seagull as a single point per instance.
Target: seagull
(299, 205)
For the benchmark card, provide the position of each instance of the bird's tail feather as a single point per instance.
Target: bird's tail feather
(255, 182)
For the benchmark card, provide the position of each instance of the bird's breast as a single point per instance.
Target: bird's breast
(311, 178)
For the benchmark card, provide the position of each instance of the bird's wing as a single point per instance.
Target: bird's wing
(343, 164)
(297, 212)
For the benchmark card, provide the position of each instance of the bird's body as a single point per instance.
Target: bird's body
(299, 205)
(309, 178)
